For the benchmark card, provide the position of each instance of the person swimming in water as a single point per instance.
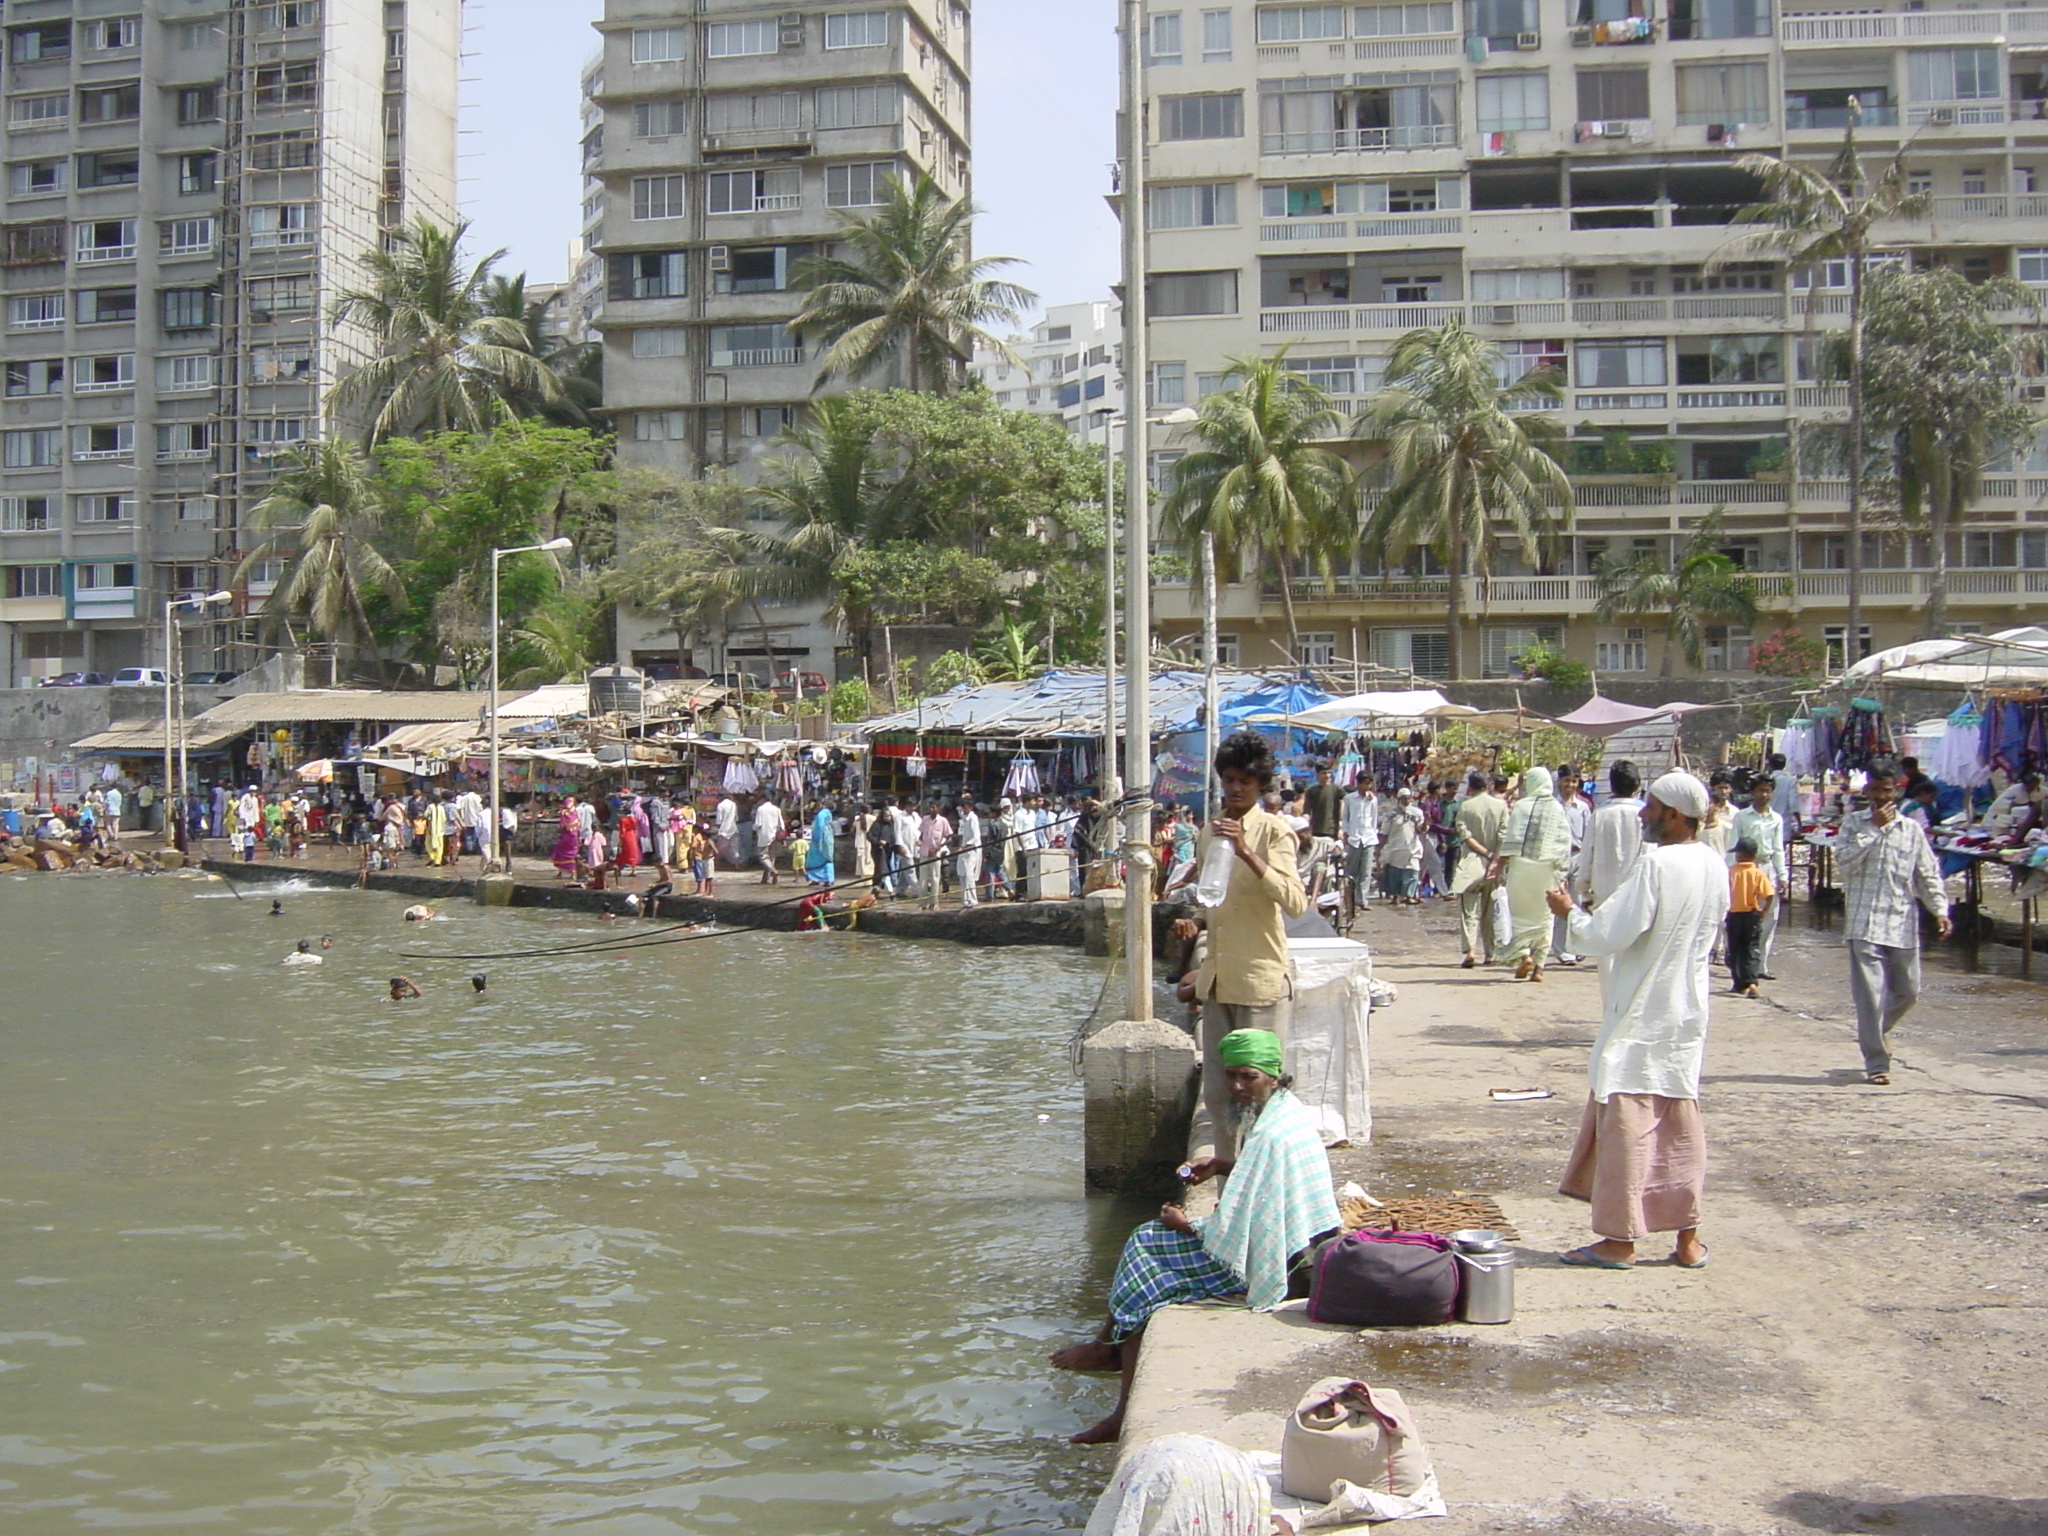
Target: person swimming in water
(403, 988)
(303, 955)
(419, 914)
(277, 909)
(478, 981)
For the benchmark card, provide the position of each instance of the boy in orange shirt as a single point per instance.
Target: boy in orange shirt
(1750, 895)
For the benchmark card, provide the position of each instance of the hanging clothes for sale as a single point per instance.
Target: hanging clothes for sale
(1955, 758)
(1022, 779)
(740, 778)
(789, 778)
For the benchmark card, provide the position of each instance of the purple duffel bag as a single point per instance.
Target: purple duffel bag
(1368, 1279)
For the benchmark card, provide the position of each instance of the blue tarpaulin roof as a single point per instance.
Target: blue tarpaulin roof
(1069, 703)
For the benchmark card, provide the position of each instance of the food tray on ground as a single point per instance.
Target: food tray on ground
(1440, 1214)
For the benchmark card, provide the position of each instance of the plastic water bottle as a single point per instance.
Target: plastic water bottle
(1212, 883)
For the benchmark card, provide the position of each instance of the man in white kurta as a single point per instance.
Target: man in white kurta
(1641, 1157)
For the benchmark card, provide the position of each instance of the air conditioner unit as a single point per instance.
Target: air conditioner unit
(1582, 37)
(1501, 314)
(1528, 40)
(793, 30)
(1614, 128)
(1942, 117)
(721, 258)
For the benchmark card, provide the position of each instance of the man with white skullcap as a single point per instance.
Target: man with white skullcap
(1641, 1158)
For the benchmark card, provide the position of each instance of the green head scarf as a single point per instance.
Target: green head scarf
(1251, 1048)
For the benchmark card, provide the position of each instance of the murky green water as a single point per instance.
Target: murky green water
(764, 1233)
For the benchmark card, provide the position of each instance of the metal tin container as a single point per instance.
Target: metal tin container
(1486, 1277)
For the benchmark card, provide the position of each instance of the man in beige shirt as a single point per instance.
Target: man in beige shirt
(1244, 981)
(1481, 820)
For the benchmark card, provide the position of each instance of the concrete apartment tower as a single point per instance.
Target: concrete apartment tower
(189, 185)
(726, 135)
(1556, 174)
(1073, 367)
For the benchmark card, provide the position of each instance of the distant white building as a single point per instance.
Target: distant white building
(1073, 366)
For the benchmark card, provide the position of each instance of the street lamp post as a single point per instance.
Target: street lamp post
(494, 844)
(174, 776)
(1138, 515)
(1108, 773)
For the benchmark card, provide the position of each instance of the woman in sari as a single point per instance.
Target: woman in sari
(568, 850)
(1533, 852)
(397, 826)
(819, 865)
(629, 839)
(1278, 1201)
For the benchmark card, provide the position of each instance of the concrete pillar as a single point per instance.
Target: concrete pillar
(1102, 923)
(495, 890)
(1138, 1085)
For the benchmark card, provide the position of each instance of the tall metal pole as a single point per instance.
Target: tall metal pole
(1211, 798)
(1108, 605)
(1138, 856)
(493, 842)
(172, 808)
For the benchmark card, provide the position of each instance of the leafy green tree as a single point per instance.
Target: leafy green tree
(903, 289)
(687, 552)
(1812, 216)
(1463, 455)
(950, 669)
(561, 640)
(1259, 484)
(444, 360)
(1010, 655)
(1703, 585)
(1938, 370)
(578, 367)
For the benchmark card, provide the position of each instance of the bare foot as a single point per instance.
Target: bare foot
(1107, 1432)
(1091, 1356)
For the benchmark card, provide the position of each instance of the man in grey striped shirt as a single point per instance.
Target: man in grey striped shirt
(1887, 864)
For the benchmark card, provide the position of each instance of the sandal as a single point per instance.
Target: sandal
(1522, 968)
(1586, 1258)
(1698, 1263)
(1879, 1079)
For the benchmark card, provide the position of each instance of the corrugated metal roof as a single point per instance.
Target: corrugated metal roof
(1069, 703)
(344, 705)
(150, 738)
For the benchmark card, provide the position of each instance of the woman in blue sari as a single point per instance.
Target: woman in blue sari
(818, 861)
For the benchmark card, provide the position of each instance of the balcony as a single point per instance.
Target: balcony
(1836, 119)
(1900, 26)
(1730, 306)
(1731, 399)
(1956, 114)
(1992, 205)
(1324, 141)
(1605, 311)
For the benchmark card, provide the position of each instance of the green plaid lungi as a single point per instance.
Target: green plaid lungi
(1158, 1268)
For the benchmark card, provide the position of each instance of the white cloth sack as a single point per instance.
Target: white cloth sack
(1352, 1506)
(1328, 1036)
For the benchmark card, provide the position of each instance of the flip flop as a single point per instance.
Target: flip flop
(1879, 1079)
(1698, 1263)
(1585, 1258)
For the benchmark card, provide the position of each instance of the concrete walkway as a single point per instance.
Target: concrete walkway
(1867, 1351)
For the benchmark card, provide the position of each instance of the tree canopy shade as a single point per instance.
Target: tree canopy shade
(903, 292)
(1938, 374)
(444, 360)
(1464, 460)
(1259, 484)
(1700, 586)
(1809, 217)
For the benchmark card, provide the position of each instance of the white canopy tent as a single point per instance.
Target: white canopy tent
(2012, 658)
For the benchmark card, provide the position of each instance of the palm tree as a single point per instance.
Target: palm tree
(904, 287)
(326, 509)
(1462, 455)
(1259, 485)
(1010, 656)
(578, 367)
(1702, 585)
(560, 640)
(1810, 216)
(444, 361)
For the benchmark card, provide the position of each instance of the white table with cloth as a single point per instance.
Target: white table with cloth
(1327, 1035)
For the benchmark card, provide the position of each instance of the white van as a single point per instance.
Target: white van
(140, 677)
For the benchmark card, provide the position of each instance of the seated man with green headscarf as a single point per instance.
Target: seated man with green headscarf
(1277, 1201)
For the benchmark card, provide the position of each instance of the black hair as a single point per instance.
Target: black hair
(1722, 776)
(1475, 782)
(1777, 760)
(1246, 752)
(1926, 787)
(1883, 768)
(1745, 847)
(1622, 779)
(1500, 782)
(477, 981)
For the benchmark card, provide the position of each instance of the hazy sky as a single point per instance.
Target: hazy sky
(1045, 92)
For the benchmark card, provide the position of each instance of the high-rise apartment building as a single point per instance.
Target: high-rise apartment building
(1557, 175)
(727, 136)
(189, 186)
(1072, 366)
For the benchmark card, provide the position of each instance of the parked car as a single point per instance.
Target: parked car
(813, 684)
(209, 679)
(75, 680)
(738, 682)
(141, 677)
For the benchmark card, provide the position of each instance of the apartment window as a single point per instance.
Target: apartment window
(184, 440)
(1835, 637)
(104, 374)
(1422, 288)
(110, 103)
(660, 426)
(198, 104)
(292, 151)
(1517, 285)
(649, 275)
(185, 237)
(276, 226)
(1513, 103)
(857, 106)
(753, 346)
(115, 34)
(1728, 648)
(36, 178)
(1613, 93)
(194, 35)
(1163, 43)
(1207, 115)
(31, 245)
(102, 575)
(737, 39)
(35, 581)
(288, 85)
(1506, 643)
(38, 43)
(1194, 293)
(659, 197)
(106, 240)
(104, 509)
(758, 112)
(660, 119)
(41, 376)
(1318, 648)
(1404, 20)
(1300, 23)
(195, 309)
(1425, 652)
(32, 448)
(105, 306)
(1630, 653)
(1215, 37)
(35, 311)
(198, 173)
(291, 15)
(767, 420)
(27, 514)
(1518, 359)
(1169, 384)
(1952, 74)
(1720, 18)
(1200, 205)
(270, 296)
(1724, 93)
(661, 341)
(192, 372)
(864, 184)
(36, 111)
(291, 363)
(272, 433)
(661, 45)
(761, 269)
(856, 29)
(1619, 364)
(1332, 375)
(1736, 277)
(110, 168)
(192, 509)
(1730, 360)
(754, 191)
